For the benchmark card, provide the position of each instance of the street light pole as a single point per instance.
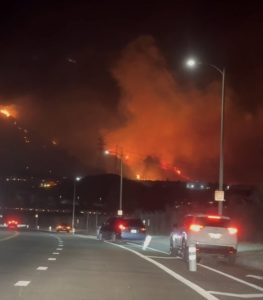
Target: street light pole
(121, 183)
(119, 155)
(74, 204)
(221, 161)
(192, 63)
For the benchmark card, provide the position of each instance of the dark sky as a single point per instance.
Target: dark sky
(76, 71)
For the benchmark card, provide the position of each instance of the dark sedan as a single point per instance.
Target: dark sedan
(122, 228)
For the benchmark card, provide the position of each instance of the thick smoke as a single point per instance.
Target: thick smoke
(165, 130)
(176, 127)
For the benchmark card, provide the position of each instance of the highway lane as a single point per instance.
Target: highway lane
(20, 253)
(84, 268)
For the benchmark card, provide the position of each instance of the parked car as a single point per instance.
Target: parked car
(122, 228)
(63, 228)
(211, 234)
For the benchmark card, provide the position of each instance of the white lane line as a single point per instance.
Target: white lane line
(22, 283)
(140, 246)
(255, 276)
(163, 257)
(55, 253)
(59, 249)
(52, 258)
(233, 277)
(175, 275)
(245, 296)
(40, 268)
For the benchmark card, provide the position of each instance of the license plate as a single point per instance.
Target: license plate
(215, 235)
(133, 231)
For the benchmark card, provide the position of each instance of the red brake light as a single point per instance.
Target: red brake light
(214, 217)
(232, 230)
(13, 222)
(143, 229)
(195, 227)
(121, 227)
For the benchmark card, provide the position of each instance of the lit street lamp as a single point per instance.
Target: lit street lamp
(120, 156)
(219, 195)
(74, 204)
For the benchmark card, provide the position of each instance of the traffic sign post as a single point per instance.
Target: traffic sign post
(219, 195)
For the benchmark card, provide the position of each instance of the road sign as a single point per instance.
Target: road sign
(219, 195)
(119, 212)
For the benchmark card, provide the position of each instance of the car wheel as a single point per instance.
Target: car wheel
(114, 237)
(185, 251)
(198, 259)
(231, 259)
(173, 251)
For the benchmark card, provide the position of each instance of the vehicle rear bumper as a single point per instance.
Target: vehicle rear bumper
(215, 249)
(133, 236)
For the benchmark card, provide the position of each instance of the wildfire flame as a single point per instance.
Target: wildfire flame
(8, 111)
(5, 112)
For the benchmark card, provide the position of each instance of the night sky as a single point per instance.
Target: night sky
(93, 75)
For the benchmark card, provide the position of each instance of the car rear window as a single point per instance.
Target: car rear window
(133, 223)
(212, 222)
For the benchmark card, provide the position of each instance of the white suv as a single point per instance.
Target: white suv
(211, 234)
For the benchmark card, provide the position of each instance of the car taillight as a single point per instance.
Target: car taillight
(195, 227)
(12, 222)
(232, 230)
(121, 227)
(143, 229)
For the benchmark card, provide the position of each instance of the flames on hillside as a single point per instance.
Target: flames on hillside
(8, 111)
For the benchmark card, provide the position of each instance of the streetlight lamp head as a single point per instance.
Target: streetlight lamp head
(106, 152)
(78, 178)
(191, 62)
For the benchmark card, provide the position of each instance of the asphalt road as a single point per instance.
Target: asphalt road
(38, 265)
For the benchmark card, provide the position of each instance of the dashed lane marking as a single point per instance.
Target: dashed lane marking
(22, 283)
(239, 296)
(55, 253)
(40, 268)
(59, 249)
(175, 275)
(52, 258)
